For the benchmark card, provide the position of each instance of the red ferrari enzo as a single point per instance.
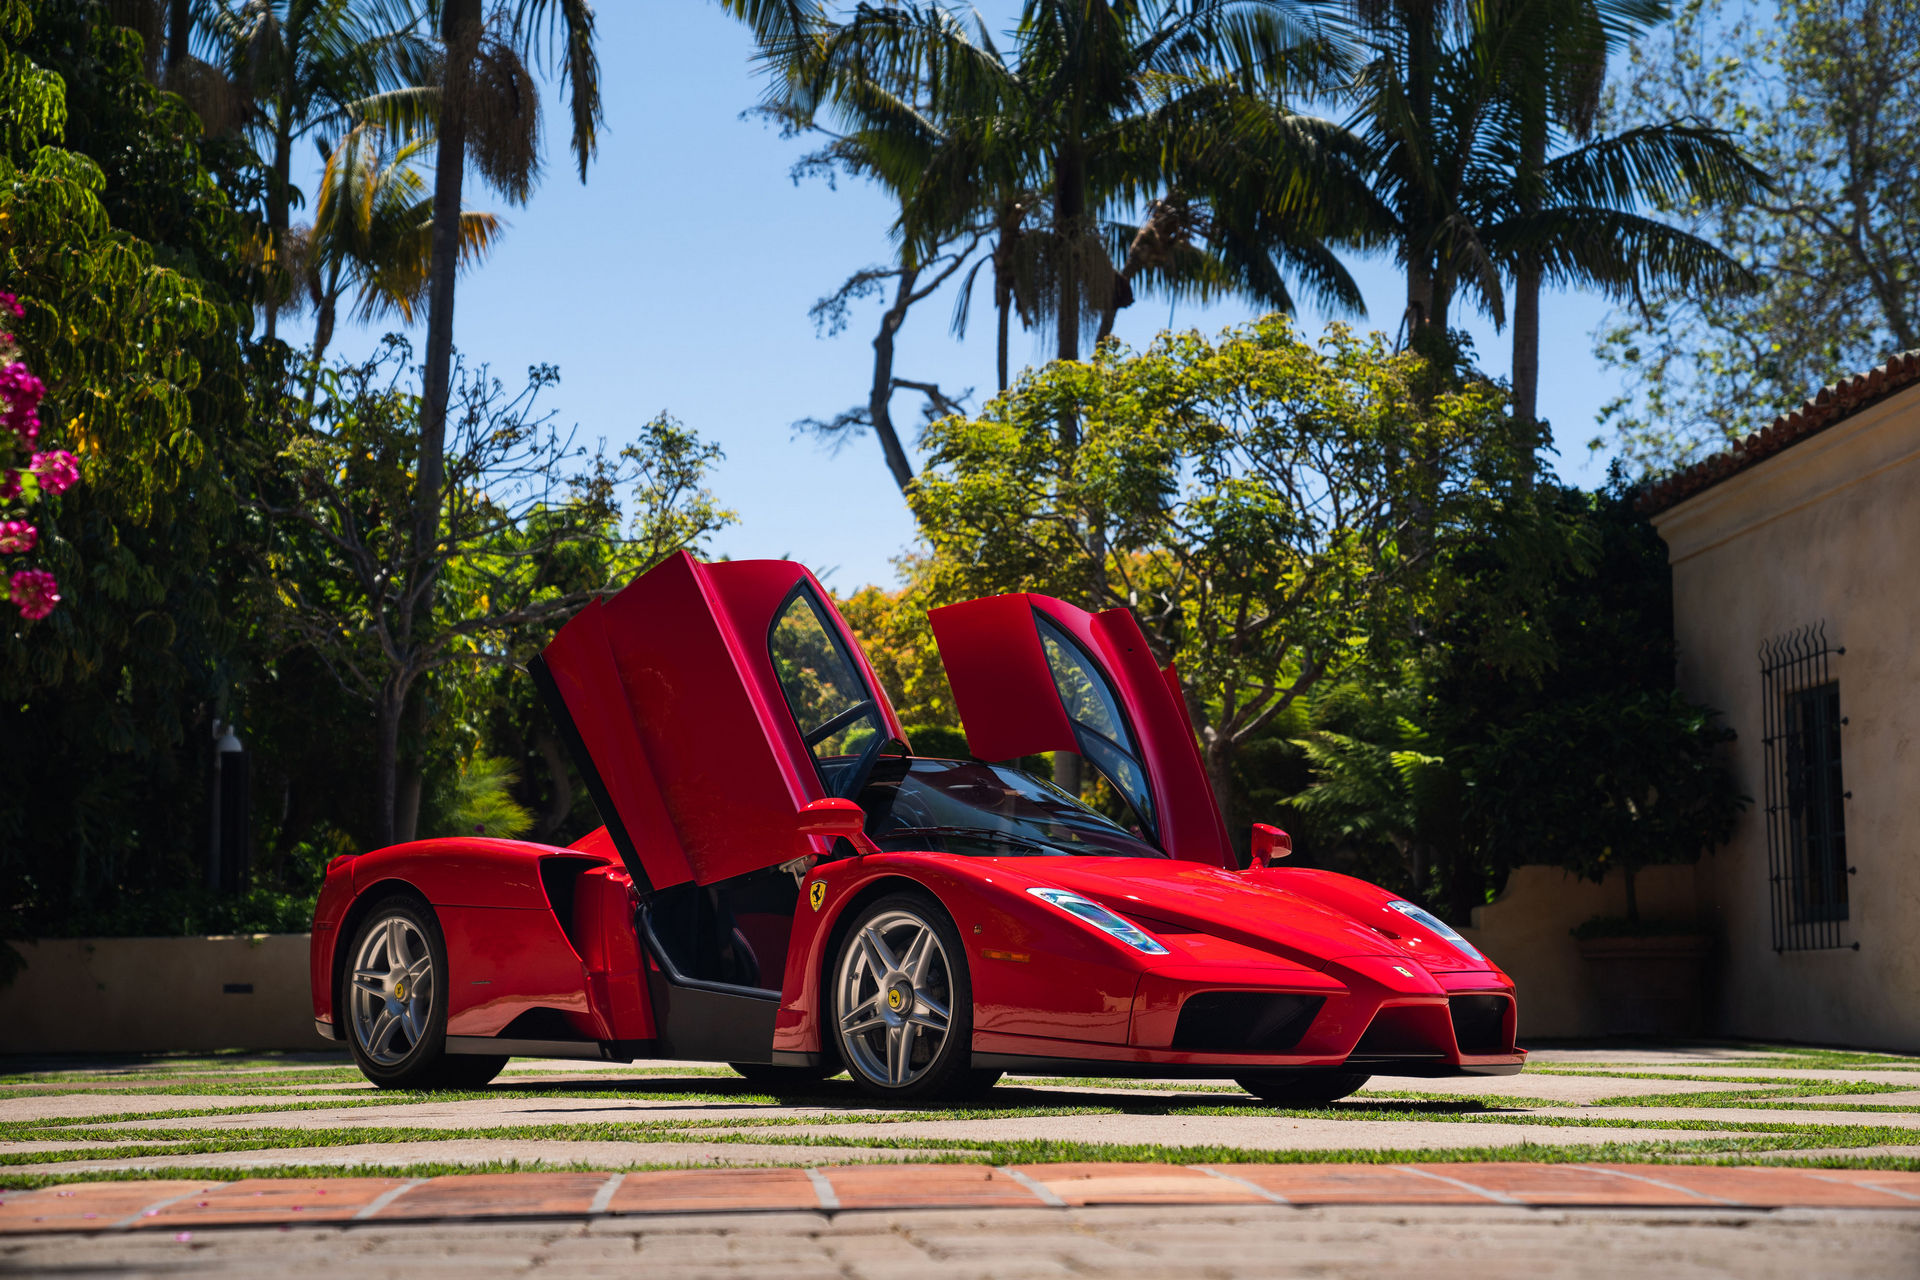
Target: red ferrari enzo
(782, 885)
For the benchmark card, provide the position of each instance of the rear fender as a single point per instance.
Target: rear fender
(514, 921)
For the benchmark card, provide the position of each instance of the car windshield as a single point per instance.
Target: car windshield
(986, 810)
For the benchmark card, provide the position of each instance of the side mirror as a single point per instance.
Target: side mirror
(1269, 843)
(833, 819)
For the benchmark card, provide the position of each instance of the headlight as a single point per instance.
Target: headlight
(1414, 912)
(1102, 919)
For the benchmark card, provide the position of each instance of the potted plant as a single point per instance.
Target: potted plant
(1615, 784)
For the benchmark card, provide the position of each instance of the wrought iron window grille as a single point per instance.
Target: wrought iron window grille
(1805, 793)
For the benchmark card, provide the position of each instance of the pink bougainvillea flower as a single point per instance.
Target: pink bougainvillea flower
(17, 537)
(35, 592)
(58, 470)
(21, 386)
(11, 303)
(22, 392)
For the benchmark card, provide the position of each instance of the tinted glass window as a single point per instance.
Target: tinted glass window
(830, 702)
(1098, 724)
(1083, 690)
(986, 810)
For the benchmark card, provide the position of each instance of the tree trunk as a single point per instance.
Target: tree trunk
(880, 395)
(406, 805)
(179, 33)
(1217, 756)
(460, 33)
(386, 763)
(1419, 295)
(1526, 366)
(1069, 212)
(560, 795)
(279, 202)
(1067, 773)
(1005, 305)
(1417, 222)
(1526, 299)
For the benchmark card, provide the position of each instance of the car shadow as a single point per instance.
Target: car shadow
(842, 1094)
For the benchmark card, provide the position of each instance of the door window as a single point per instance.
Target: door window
(1098, 724)
(835, 711)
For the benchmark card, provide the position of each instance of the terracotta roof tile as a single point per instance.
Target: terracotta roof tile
(1833, 403)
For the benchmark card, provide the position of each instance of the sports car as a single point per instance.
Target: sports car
(781, 884)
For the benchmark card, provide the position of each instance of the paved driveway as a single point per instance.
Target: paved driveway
(1590, 1162)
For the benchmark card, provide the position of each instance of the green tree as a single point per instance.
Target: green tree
(1821, 97)
(1252, 504)
(118, 231)
(530, 529)
(1533, 720)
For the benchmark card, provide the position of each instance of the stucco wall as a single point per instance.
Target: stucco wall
(1826, 531)
(144, 995)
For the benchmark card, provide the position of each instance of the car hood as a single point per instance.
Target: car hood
(1172, 896)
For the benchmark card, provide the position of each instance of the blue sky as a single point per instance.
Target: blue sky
(680, 275)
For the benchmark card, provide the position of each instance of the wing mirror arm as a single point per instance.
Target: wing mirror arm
(833, 819)
(1269, 843)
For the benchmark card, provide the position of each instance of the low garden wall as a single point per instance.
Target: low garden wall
(1528, 931)
(148, 995)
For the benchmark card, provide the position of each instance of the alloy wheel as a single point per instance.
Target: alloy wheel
(895, 999)
(392, 990)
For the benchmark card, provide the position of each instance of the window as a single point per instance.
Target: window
(1806, 796)
(1098, 725)
(830, 702)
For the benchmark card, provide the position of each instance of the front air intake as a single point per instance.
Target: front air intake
(1480, 1023)
(1244, 1021)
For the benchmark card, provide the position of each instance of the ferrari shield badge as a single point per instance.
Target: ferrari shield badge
(817, 894)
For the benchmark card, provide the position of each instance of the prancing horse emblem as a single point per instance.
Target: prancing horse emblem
(817, 894)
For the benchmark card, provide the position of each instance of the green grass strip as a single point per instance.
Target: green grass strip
(1718, 1151)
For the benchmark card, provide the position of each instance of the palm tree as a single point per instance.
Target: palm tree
(482, 107)
(302, 66)
(1452, 100)
(1096, 106)
(1554, 53)
(372, 232)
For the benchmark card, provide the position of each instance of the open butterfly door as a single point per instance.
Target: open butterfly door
(706, 703)
(1030, 673)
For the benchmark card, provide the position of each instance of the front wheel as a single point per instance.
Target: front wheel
(394, 994)
(903, 1002)
(1303, 1088)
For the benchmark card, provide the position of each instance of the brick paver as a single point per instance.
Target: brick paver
(122, 1206)
(1153, 1242)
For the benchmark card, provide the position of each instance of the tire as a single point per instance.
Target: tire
(1303, 1088)
(778, 1080)
(393, 1002)
(900, 983)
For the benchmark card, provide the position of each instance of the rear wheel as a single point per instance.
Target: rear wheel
(1302, 1088)
(903, 1003)
(394, 997)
